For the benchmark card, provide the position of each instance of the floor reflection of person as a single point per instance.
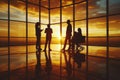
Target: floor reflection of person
(79, 58)
(68, 64)
(48, 32)
(68, 35)
(48, 67)
(38, 66)
(38, 35)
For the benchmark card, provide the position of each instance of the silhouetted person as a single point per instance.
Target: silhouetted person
(79, 34)
(74, 40)
(48, 32)
(68, 35)
(38, 35)
(77, 39)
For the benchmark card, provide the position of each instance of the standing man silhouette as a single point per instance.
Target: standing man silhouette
(48, 32)
(68, 35)
(38, 35)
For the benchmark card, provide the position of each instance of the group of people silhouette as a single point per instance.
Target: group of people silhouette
(76, 39)
(73, 41)
(48, 32)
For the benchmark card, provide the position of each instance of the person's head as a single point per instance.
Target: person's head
(37, 23)
(48, 25)
(68, 21)
(79, 29)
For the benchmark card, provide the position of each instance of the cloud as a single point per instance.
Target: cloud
(66, 2)
(96, 8)
(3, 11)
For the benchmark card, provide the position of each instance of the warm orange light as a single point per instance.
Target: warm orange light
(59, 37)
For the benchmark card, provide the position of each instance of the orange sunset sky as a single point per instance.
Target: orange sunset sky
(97, 8)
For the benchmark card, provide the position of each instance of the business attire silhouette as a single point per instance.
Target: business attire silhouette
(48, 32)
(38, 35)
(68, 35)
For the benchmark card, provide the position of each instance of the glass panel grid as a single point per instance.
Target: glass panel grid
(98, 20)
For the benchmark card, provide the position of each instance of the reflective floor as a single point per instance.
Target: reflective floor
(57, 65)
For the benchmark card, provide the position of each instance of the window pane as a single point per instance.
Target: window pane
(80, 11)
(44, 16)
(31, 35)
(97, 27)
(54, 3)
(66, 2)
(3, 37)
(114, 26)
(55, 15)
(3, 9)
(14, 41)
(114, 31)
(17, 29)
(114, 6)
(3, 58)
(97, 8)
(33, 13)
(67, 13)
(31, 30)
(56, 30)
(3, 28)
(17, 10)
(44, 3)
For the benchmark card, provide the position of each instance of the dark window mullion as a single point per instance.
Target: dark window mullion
(107, 39)
(8, 39)
(26, 39)
(87, 40)
(61, 38)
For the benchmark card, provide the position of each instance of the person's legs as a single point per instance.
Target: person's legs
(49, 44)
(37, 42)
(69, 43)
(46, 44)
(65, 43)
(73, 46)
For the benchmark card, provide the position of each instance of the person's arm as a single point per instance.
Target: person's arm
(41, 30)
(51, 31)
(70, 28)
(35, 30)
(46, 30)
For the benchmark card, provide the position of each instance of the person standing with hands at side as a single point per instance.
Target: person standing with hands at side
(68, 35)
(38, 35)
(48, 32)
